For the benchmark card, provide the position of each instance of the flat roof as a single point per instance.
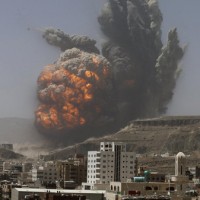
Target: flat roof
(44, 190)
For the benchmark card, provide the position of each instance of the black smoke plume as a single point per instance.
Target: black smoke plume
(134, 78)
(136, 53)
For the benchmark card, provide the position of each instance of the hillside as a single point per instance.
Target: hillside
(7, 154)
(158, 135)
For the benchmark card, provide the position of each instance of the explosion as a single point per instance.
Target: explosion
(134, 78)
(74, 92)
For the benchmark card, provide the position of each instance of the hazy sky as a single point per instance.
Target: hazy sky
(184, 14)
(23, 52)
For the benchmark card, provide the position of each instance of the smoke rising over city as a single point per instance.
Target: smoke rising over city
(137, 80)
(24, 53)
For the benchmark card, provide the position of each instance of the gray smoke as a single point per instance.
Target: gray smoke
(143, 70)
(136, 53)
(64, 41)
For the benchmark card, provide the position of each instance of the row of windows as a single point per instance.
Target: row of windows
(104, 161)
(92, 181)
(108, 155)
(107, 171)
(92, 176)
(92, 166)
(50, 173)
(131, 167)
(128, 161)
(124, 156)
(50, 178)
(93, 155)
(107, 177)
(94, 161)
(91, 171)
(131, 172)
(104, 166)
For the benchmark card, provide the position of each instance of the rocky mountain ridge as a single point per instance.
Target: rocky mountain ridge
(149, 136)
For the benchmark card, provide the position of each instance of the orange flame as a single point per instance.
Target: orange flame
(66, 95)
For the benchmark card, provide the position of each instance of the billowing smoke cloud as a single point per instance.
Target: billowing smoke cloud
(74, 92)
(136, 53)
(134, 78)
(60, 39)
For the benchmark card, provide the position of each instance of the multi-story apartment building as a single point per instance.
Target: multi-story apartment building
(93, 167)
(37, 173)
(112, 163)
(72, 170)
(46, 173)
(50, 173)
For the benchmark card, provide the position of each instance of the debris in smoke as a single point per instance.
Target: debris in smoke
(64, 41)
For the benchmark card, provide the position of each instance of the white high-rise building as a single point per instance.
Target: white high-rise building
(111, 163)
(93, 167)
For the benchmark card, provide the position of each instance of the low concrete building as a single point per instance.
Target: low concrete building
(20, 193)
(141, 188)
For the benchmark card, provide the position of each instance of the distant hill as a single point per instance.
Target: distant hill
(7, 154)
(159, 135)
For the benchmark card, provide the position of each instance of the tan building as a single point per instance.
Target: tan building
(141, 188)
(74, 170)
(174, 186)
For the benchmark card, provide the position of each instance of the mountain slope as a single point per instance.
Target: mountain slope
(160, 135)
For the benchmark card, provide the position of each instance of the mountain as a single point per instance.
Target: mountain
(149, 136)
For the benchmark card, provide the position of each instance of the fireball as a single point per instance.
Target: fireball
(74, 92)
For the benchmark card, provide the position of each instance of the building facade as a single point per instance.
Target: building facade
(72, 170)
(112, 163)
